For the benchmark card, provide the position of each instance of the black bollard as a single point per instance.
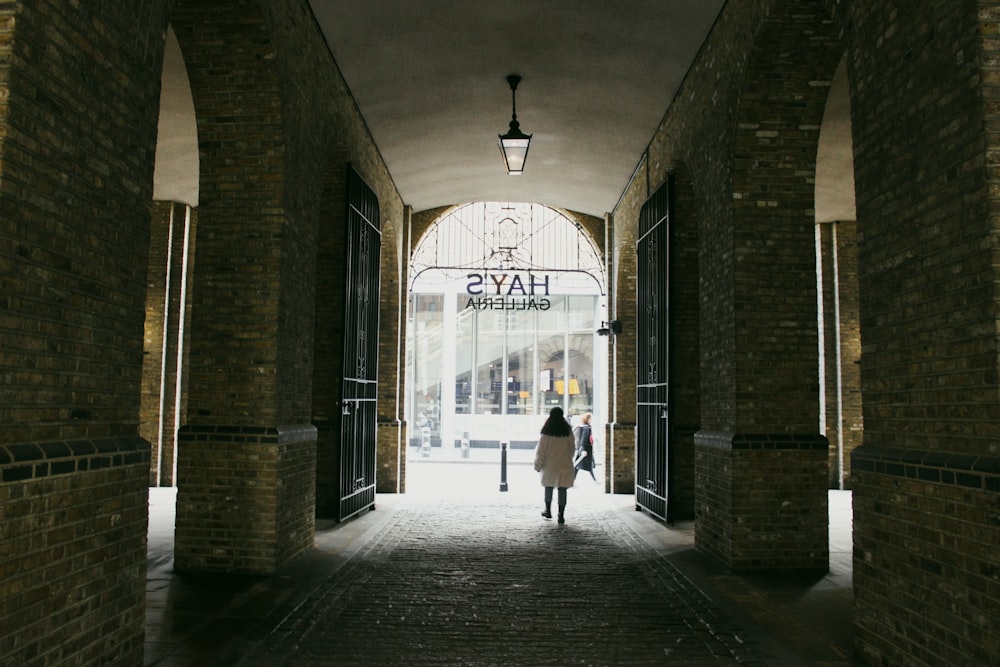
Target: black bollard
(503, 465)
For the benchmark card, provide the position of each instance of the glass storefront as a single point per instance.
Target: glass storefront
(492, 347)
(508, 368)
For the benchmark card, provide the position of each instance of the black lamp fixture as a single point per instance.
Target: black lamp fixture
(612, 328)
(514, 144)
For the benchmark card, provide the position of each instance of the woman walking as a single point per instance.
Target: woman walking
(554, 459)
(585, 446)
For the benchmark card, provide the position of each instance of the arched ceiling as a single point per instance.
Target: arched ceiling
(597, 77)
(430, 81)
(835, 155)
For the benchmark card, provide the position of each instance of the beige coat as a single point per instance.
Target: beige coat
(554, 459)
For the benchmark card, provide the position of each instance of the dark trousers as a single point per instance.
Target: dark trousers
(548, 498)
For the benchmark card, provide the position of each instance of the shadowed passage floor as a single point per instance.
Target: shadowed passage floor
(458, 573)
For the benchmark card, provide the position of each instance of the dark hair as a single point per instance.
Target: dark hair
(556, 424)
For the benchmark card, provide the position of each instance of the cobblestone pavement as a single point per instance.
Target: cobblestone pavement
(491, 582)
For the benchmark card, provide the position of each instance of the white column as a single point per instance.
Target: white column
(448, 336)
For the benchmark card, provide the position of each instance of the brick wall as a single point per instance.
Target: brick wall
(328, 362)
(152, 387)
(248, 501)
(926, 222)
(75, 240)
(715, 518)
(852, 423)
(390, 452)
(327, 128)
(923, 88)
(925, 557)
(259, 218)
(620, 457)
(390, 458)
(73, 545)
(268, 129)
(250, 307)
(927, 303)
(271, 131)
(773, 220)
(295, 506)
(685, 348)
(622, 306)
(242, 304)
(744, 129)
(759, 506)
(76, 148)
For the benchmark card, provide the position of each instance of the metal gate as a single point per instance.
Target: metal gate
(356, 456)
(653, 354)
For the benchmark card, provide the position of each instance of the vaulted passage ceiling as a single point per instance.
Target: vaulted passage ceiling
(597, 77)
(430, 81)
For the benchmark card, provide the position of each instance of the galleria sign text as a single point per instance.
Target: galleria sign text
(507, 291)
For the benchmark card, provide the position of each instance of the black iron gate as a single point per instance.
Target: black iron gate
(653, 354)
(356, 474)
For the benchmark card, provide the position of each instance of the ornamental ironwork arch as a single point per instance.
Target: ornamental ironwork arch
(486, 236)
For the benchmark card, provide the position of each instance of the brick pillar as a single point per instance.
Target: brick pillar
(759, 503)
(685, 341)
(927, 478)
(74, 545)
(78, 126)
(245, 497)
(925, 528)
(328, 356)
(390, 454)
(622, 352)
(761, 464)
(849, 319)
(153, 341)
(246, 485)
(391, 439)
(619, 457)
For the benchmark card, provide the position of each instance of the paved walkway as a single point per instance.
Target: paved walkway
(457, 573)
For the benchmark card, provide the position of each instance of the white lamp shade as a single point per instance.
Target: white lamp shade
(515, 152)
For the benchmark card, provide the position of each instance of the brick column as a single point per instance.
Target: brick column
(759, 504)
(761, 465)
(390, 455)
(78, 125)
(619, 457)
(685, 341)
(926, 484)
(391, 438)
(925, 528)
(74, 545)
(245, 500)
(328, 355)
(622, 352)
(246, 468)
